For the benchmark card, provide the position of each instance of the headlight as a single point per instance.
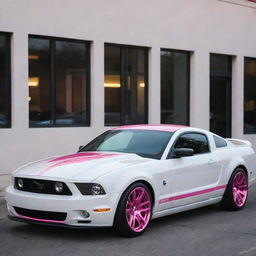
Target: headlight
(90, 188)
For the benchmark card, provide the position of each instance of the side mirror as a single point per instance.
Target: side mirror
(183, 152)
(80, 147)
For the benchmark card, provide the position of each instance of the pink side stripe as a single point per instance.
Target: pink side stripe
(41, 220)
(196, 193)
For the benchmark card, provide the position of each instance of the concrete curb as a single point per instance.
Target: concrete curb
(5, 181)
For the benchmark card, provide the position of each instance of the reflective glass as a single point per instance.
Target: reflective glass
(58, 82)
(70, 83)
(39, 82)
(175, 87)
(220, 94)
(125, 85)
(250, 95)
(5, 85)
(112, 85)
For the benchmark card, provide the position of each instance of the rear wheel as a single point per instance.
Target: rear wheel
(236, 192)
(134, 211)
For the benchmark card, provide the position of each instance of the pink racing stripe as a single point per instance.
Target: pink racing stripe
(152, 127)
(196, 193)
(72, 159)
(41, 220)
(82, 154)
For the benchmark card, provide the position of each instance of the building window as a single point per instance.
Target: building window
(250, 95)
(5, 81)
(59, 82)
(175, 79)
(126, 85)
(220, 94)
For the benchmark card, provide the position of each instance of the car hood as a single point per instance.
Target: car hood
(85, 166)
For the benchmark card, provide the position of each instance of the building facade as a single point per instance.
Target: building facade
(71, 69)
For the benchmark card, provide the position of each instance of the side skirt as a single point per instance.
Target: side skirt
(186, 207)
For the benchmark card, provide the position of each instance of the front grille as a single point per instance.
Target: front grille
(45, 215)
(41, 186)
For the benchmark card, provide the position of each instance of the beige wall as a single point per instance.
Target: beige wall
(200, 26)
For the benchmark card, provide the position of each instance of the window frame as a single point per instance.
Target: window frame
(8, 85)
(123, 73)
(52, 68)
(188, 83)
(170, 155)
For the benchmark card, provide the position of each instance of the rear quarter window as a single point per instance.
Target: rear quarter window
(219, 142)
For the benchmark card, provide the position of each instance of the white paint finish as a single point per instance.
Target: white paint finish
(199, 89)
(191, 182)
(244, 3)
(237, 97)
(97, 80)
(199, 26)
(154, 91)
(20, 106)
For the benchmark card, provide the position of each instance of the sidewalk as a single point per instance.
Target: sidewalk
(5, 180)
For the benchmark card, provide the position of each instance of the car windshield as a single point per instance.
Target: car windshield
(145, 143)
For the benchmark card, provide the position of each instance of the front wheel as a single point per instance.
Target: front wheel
(134, 211)
(236, 192)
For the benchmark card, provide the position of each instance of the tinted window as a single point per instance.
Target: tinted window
(149, 144)
(250, 95)
(39, 82)
(220, 94)
(125, 85)
(175, 79)
(196, 141)
(219, 142)
(58, 82)
(5, 84)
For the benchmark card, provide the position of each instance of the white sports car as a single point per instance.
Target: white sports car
(131, 174)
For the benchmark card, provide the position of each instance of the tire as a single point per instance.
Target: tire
(134, 211)
(236, 193)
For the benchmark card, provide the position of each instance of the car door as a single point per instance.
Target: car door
(193, 178)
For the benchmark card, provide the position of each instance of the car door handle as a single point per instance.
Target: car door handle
(211, 161)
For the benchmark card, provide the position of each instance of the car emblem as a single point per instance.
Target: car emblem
(38, 185)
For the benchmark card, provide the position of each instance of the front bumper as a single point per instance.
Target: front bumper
(71, 205)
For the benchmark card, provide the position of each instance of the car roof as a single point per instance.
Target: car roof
(152, 127)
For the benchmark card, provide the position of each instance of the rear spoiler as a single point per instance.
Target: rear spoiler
(237, 142)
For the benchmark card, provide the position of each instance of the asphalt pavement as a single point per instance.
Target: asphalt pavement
(206, 231)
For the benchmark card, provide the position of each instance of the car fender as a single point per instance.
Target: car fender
(112, 185)
(232, 165)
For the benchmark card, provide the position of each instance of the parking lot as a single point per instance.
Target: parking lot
(205, 231)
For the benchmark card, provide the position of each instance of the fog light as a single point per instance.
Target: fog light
(10, 210)
(20, 183)
(85, 214)
(58, 187)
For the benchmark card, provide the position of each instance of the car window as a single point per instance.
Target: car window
(219, 142)
(146, 143)
(117, 142)
(196, 141)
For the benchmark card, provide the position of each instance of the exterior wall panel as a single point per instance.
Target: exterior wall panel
(200, 26)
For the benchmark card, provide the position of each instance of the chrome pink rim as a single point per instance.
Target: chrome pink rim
(240, 189)
(138, 209)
